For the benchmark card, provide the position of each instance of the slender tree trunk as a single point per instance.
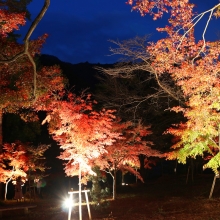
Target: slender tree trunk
(6, 185)
(6, 189)
(142, 169)
(122, 178)
(114, 184)
(213, 186)
(175, 169)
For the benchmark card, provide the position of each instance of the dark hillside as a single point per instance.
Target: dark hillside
(81, 76)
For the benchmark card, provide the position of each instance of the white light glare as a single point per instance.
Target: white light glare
(68, 203)
(124, 184)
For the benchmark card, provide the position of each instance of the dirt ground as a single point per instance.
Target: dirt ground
(167, 198)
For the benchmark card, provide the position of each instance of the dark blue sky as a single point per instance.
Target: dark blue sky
(80, 31)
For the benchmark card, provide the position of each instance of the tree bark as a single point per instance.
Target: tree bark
(114, 185)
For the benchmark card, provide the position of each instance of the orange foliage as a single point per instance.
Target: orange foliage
(10, 21)
(124, 153)
(81, 132)
(178, 9)
(16, 79)
(18, 158)
(194, 67)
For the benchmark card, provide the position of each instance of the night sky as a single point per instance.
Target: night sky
(79, 31)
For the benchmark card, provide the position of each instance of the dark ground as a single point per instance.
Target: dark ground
(168, 197)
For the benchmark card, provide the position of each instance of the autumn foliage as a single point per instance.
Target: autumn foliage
(10, 21)
(123, 155)
(80, 131)
(194, 67)
(21, 160)
(23, 83)
(17, 78)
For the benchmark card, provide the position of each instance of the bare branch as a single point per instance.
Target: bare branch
(134, 87)
(197, 19)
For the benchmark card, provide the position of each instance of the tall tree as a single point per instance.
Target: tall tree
(134, 92)
(18, 159)
(124, 154)
(19, 71)
(9, 21)
(194, 66)
(16, 80)
(17, 65)
(81, 132)
(8, 8)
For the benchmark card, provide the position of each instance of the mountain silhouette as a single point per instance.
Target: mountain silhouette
(81, 76)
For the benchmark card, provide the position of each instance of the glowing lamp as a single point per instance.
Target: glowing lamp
(68, 203)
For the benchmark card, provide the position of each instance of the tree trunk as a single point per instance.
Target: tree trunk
(122, 178)
(114, 185)
(6, 189)
(142, 169)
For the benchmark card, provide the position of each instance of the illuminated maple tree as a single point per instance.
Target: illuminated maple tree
(194, 67)
(16, 80)
(23, 84)
(19, 73)
(10, 8)
(18, 160)
(124, 154)
(90, 138)
(176, 9)
(81, 132)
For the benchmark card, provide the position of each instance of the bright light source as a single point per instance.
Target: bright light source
(68, 203)
(124, 184)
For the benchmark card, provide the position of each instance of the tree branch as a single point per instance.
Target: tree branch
(197, 19)
(26, 43)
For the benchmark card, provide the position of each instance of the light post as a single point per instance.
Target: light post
(70, 203)
(70, 206)
(80, 196)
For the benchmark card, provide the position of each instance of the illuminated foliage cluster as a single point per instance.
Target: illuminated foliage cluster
(17, 78)
(81, 132)
(92, 138)
(10, 21)
(19, 158)
(124, 153)
(23, 85)
(194, 66)
(158, 8)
